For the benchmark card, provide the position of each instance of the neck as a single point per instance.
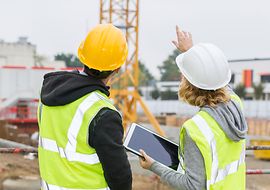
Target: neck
(105, 81)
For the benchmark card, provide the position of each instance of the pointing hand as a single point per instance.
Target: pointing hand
(184, 40)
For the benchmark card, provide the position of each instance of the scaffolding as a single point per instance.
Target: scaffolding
(125, 15)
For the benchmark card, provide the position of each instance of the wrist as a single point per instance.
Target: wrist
(151, 165)
(184, 49)
(187, 48)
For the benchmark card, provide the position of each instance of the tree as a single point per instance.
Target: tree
(169, 70)
(145, 77)
(240, 90)
(169, 95)
(258, 91)
(69, 59)
(39, 59)
(155, 94)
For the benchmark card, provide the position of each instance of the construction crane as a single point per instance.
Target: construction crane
(125, 15)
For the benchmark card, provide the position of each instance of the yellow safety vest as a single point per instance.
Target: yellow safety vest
(66, 160)
(224, 159)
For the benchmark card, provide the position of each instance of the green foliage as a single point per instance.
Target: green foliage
(140, 92)
(169, 70)
(258, 91)
(145, 77)
(70, 59)
(169, 95)
(155, 94)
(240, 90)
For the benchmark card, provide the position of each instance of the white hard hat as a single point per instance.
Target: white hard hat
(205, 66)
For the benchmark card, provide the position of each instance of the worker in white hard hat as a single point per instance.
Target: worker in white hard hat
(81, 132)
(212, 143)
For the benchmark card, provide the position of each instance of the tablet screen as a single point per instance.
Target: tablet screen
(157, 147)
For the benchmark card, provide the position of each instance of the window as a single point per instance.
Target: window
(232, 78)
(265, 78)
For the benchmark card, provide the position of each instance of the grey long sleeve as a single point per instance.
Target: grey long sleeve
(194, 177)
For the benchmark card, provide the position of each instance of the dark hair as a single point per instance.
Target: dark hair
(96, 73)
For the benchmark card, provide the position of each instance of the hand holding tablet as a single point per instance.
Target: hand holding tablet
(146, 161)
(157, 147)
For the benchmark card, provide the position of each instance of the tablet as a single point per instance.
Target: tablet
(157, 147)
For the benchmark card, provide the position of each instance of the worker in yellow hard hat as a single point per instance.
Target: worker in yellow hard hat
(212, 142)
(81, 132)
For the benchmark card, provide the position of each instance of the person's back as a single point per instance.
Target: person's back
(212, 143)
(81, 132)
(219, 133)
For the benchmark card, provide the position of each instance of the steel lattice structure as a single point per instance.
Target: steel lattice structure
(125, 15)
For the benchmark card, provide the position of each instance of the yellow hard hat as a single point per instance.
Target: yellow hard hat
(104, 49)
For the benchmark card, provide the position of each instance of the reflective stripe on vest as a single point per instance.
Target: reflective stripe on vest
(70, 151)
(46, 186)
(51, 145)
(232, 167)
(77, 121)
(216, 173)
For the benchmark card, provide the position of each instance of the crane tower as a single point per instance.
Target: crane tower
(124, 14)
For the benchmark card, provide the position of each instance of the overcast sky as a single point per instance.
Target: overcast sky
(240, 27)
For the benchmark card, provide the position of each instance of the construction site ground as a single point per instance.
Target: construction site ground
(15, 167)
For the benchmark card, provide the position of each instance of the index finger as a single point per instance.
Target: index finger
(179, 33)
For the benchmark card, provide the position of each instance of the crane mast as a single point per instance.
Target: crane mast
(124, 14)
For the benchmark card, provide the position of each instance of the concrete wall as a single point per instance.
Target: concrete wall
(21, 83)
(23, 53)
(20, 53)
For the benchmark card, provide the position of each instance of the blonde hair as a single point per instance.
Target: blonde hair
(198, 97)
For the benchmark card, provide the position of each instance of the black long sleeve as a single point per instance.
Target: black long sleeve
(106, 136)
